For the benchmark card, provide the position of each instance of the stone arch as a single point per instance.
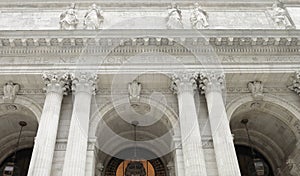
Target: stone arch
(272, 149)
(108, 107)
(26, 109)
(238, 101)
(29, 103)
(100, 112)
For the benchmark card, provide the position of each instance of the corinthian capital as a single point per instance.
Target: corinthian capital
(183, 82)
(211, 82)
(295, 86)
(56, 82)
(84, 82)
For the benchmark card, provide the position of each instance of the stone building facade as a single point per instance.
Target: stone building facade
(150, 87)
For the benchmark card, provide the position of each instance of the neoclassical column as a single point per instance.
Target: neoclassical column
(184, 86)
(178, 160)
(212, 84)
(43, 150)
(83, 86)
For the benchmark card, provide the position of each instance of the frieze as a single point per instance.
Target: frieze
(207, 142)
(107, 91)
(127, 60)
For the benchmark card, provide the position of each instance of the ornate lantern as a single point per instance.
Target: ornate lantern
(9, 169)
(135, 167)
(260, 168)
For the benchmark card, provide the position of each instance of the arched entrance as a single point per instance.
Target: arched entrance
(116, 140)
(21, 162)
(10, 116)
(119, 167)
(271, 131)
(246, 164)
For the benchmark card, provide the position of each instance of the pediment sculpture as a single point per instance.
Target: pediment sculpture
(199, 17)
(68, 19)
(93, 18)
(280, 15)
(174, 19)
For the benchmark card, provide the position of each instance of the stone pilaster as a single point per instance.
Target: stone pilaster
(212, 84)
(41, 160)
(193, 155)
(83, 87)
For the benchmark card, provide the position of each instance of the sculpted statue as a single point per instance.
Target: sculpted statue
(199, 17)
(134, 89)
(174, 19)
(68, 19)
(280, 15)
(93, 18)
(10, 90)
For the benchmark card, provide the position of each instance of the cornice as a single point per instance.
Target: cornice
(58, 4)
(131, 41)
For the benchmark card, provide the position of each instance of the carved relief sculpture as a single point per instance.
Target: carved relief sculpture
(280, 15)
(10, 90)
(256, 89)
(174, 19)
(68, 19)
(199, 17)
(293, 167)
(296, 83)
(134, 89)
(93, 18)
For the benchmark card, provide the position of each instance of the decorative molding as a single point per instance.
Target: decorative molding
(207, 142)
(235, 41)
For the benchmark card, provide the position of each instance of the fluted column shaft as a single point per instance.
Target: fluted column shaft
(42, 156)
(178, 158)
(84, 87)
(222, 138)
(190, 132)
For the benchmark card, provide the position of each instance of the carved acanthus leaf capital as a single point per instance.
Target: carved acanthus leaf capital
(183, 82)
(57, 82)
(10, 90)
(84, 82)
(295, 86)
(211, 82)
(256, 88)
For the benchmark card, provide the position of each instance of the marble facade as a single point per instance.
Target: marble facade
(81, 74)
